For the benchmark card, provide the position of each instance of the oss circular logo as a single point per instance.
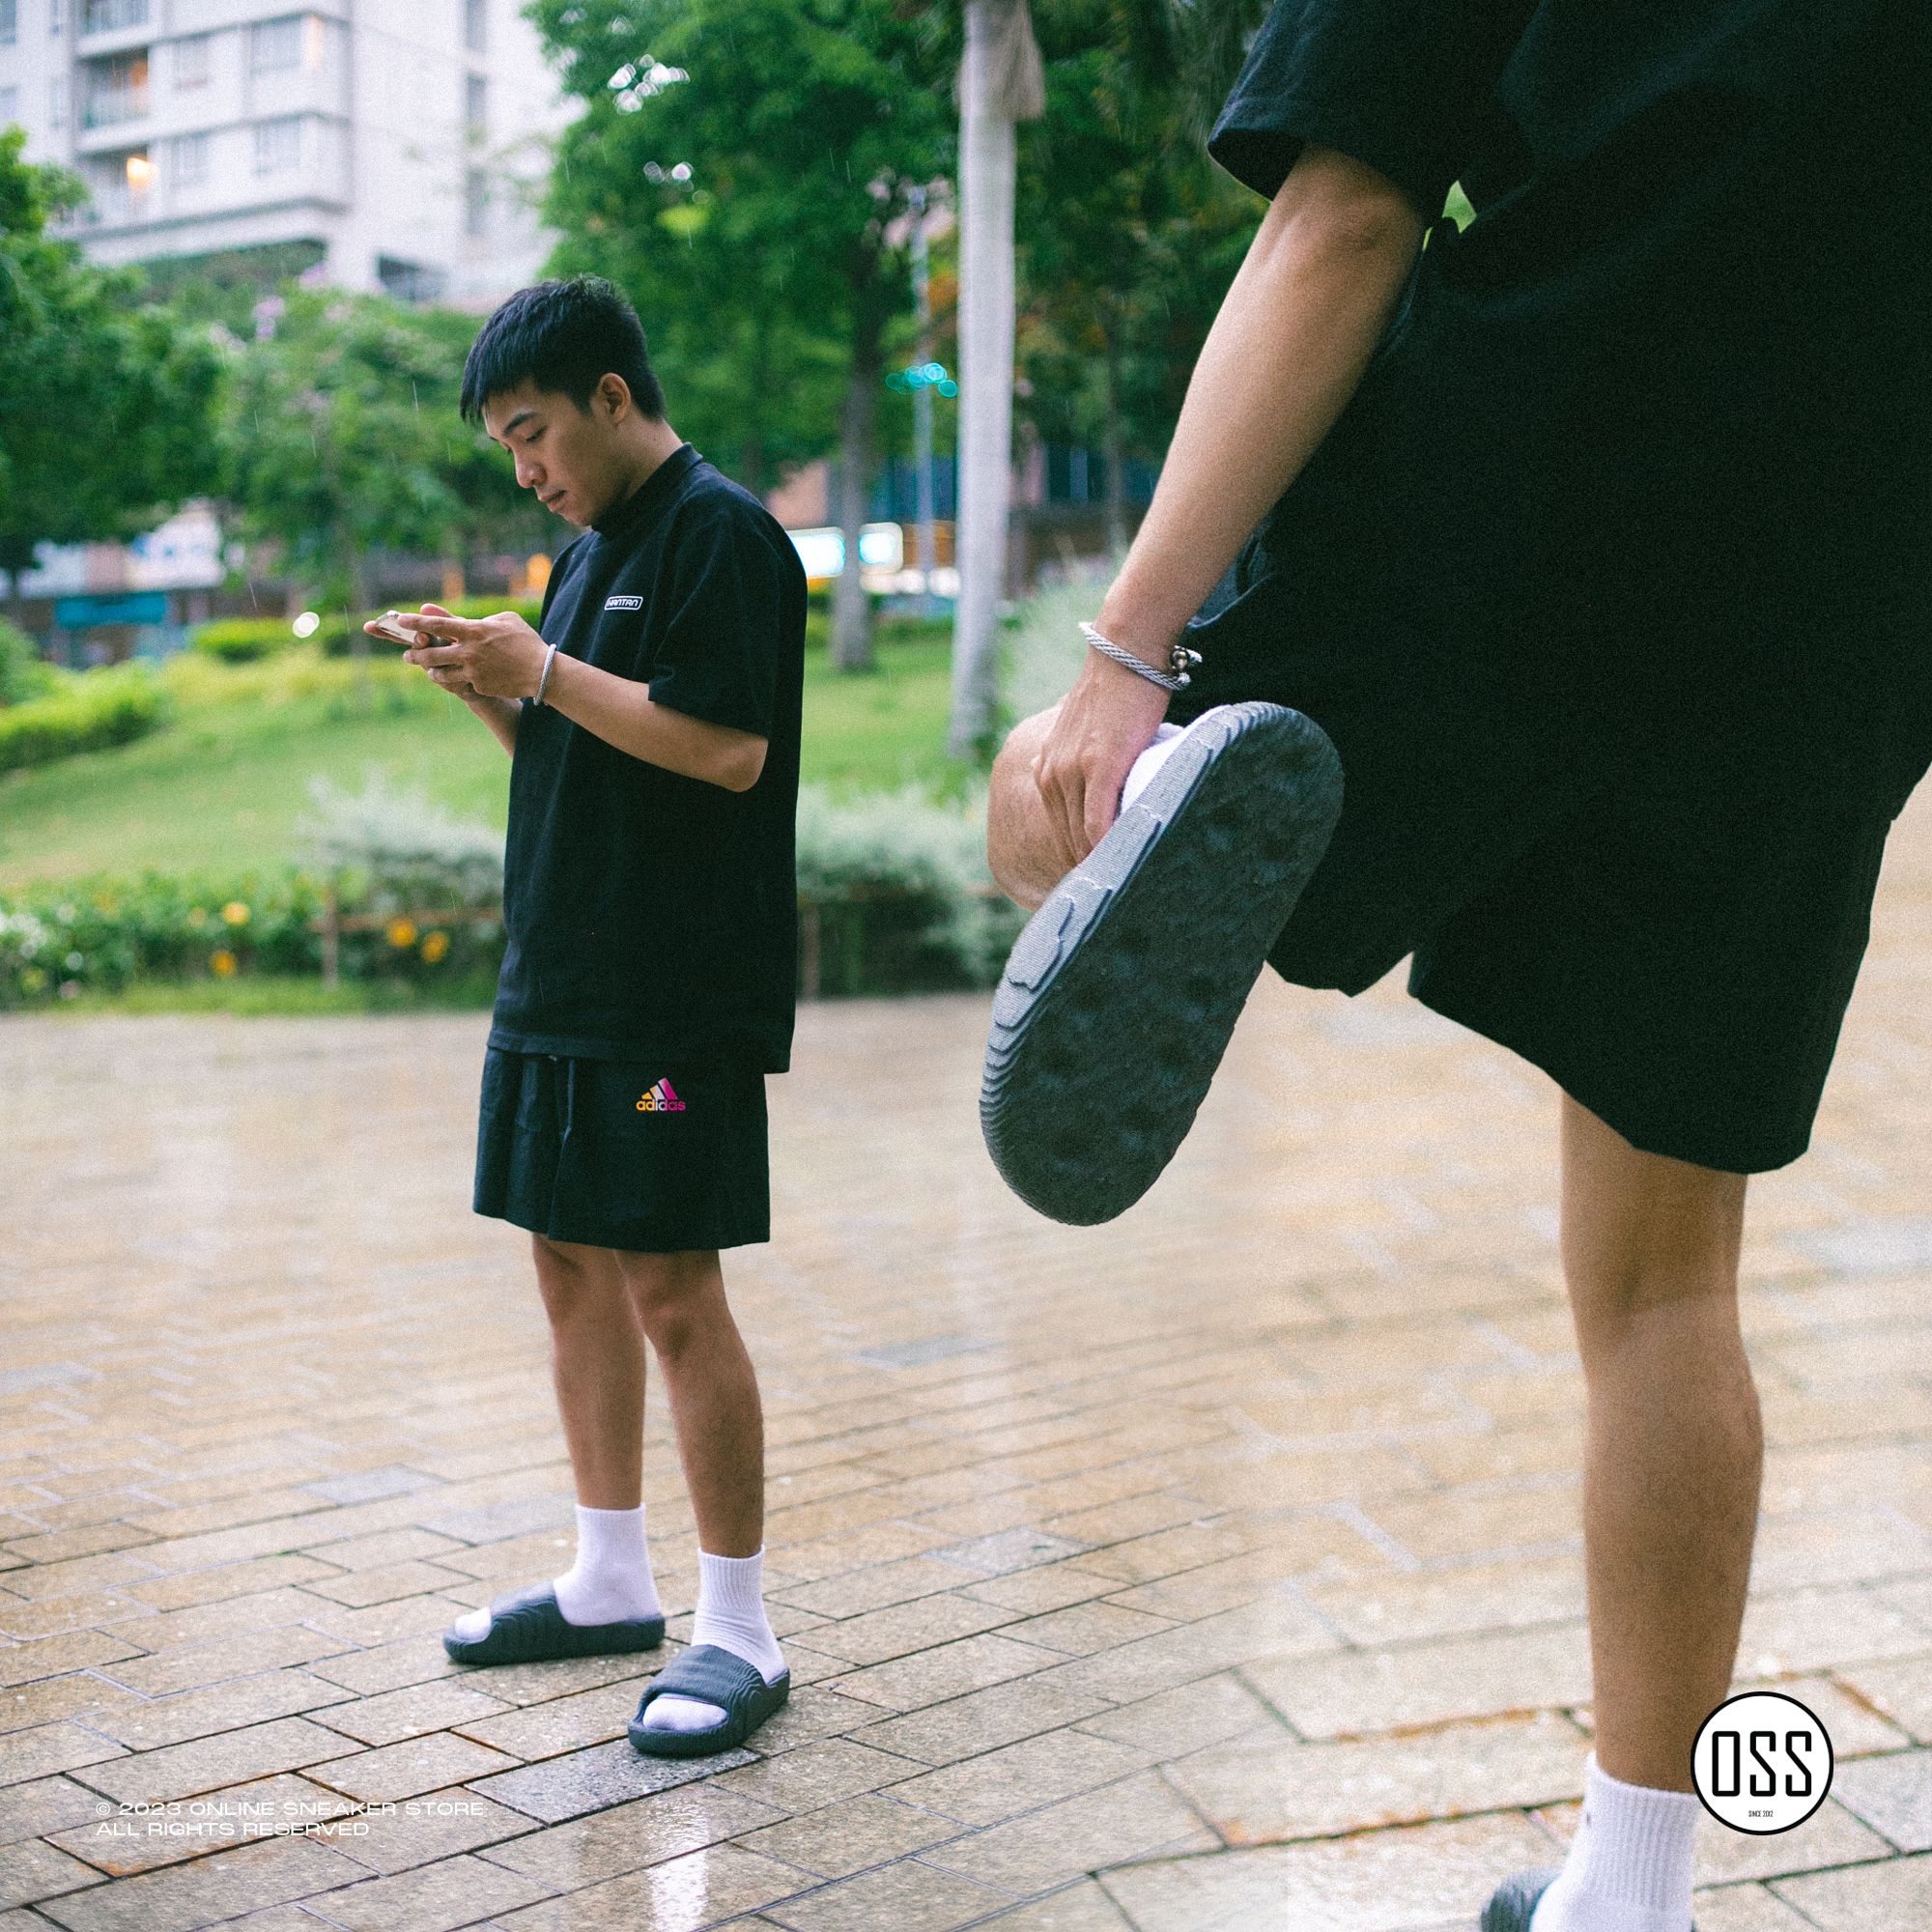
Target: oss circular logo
(1762, 1762)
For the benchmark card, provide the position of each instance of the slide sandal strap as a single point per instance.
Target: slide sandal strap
(708, 1675)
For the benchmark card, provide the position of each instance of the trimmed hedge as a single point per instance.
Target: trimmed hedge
(894, 900)
(85, 711)
(23, 672)
(245, 639)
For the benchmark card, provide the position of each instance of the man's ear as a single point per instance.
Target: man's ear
(614, 393)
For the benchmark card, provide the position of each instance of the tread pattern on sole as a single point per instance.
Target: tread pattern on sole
(1119, 996)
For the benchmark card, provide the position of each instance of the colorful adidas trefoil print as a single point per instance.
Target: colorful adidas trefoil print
(661, 1100)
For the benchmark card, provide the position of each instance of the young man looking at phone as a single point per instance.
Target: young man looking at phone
(647, 984)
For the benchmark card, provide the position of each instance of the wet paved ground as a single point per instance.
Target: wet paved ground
(1217, 1569)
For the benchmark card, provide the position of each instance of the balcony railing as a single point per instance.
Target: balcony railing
(113, 106)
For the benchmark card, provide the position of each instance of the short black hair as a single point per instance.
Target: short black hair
(561, 336)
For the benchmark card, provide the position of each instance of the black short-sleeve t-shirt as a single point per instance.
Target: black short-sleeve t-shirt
(1663, 410)
(648, 914)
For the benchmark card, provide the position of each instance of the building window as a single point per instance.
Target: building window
(106, 17)
(191, 160)
(409, 281)
(278, 145)
(57, 102)
(475, 204)
(118, 90)
(477, 102)
(10, 23)
(274, 46)
(10, 103)
(476, 25)
(191, 61)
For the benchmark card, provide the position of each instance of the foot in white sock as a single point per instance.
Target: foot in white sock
(1629, 1866)
(609, 1582)
(1166, 742)
(730, 1614)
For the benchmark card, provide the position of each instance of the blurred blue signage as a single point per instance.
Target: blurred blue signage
(137, 606)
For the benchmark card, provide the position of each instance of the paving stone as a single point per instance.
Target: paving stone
(853, 1834)
(1137, 1817)
(686, 1894)
(453, 1892)
(905, 1897)
(1022, 1776)
(588, 1780)
(206, 1763)
(1261, 1505)
(626, 1837)
(817, 1775)
(1262, 1791)
(1082, 1907)
(1395, 1881)
(1891, 1794)
(1430, 1683)
(409, 1769)
(45, 1806)
(1901, 1691)
(30, 1871)
(205, 1891)
(1897, 1891)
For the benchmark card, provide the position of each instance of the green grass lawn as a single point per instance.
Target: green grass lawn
(222, 786)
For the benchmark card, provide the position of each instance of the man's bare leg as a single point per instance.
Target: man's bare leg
(1674, 1450)
(678, 1302)
(680, 1305)
(597, 1364)
(1672, 1459)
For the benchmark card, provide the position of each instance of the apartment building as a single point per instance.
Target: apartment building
(389, 145)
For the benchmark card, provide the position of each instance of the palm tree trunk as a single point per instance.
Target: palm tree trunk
(999, 82)
(851, 607)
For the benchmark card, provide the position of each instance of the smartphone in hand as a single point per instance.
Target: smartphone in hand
(385, 626)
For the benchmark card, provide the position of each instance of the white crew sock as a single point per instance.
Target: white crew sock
(611, 1582)
(1629, 1866)
(1165, 738)
(730, 1614)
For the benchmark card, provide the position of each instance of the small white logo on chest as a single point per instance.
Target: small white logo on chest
(623, 603)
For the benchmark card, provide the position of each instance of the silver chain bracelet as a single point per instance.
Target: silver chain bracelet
(1175, 679)
(550, 658)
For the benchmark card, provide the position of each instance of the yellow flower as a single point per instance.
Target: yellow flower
(402, 933)
(435, 947)
(235, 913)
(222, 963)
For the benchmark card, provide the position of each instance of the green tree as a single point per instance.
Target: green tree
(1127, 234)
(107, 403)
(738, 169)
(343, 438)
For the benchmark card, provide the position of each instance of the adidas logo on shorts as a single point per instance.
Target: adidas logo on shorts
(661, 1100)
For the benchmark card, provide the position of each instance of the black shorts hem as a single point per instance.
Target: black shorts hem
(628, 1238)
(1592, 1087)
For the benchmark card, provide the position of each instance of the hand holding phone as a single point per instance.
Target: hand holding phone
(386, 626)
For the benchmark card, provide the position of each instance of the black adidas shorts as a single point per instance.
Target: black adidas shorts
(650, 1158)
(1657, 890)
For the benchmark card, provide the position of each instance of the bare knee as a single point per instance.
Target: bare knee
(1018, 853)
(677, 1297)
(572, 1277)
